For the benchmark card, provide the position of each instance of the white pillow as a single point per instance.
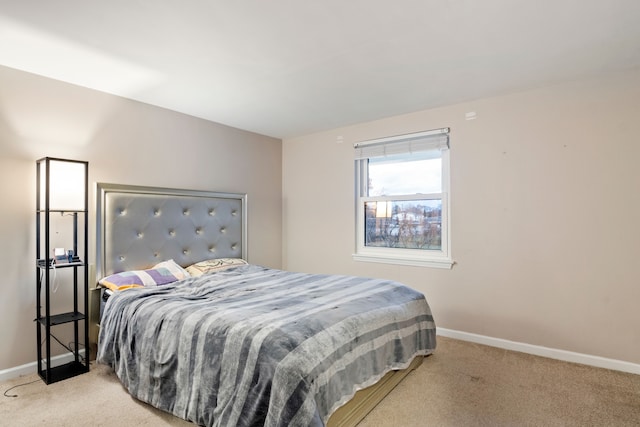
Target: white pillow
(216, 264)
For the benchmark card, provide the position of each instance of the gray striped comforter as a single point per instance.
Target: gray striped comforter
(252, 346)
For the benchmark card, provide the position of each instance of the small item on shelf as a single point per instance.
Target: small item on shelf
(59, 254)
(70, 255)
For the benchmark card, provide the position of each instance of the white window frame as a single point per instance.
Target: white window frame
(416, 257)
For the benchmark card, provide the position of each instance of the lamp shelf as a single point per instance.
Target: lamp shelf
(42, 263)
(61, 211)
(62, 318)
(63, 372)
(61, 189)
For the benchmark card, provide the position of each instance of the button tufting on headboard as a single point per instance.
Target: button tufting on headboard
(141, 226)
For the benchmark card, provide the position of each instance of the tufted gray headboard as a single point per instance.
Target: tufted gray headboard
(138, 227)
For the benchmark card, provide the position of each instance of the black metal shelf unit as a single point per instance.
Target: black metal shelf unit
(52, 177)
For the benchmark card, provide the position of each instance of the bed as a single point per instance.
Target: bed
(244, 344)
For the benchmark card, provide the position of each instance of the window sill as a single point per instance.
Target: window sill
(445, 263)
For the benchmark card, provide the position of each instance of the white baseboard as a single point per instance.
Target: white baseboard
(31, 368)
(552, 353)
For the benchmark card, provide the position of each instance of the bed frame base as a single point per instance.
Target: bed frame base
(366, 399)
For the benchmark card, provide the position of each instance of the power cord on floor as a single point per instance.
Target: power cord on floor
(38, 380)
(16, 386)
(19, 385)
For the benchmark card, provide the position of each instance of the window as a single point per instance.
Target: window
(402, 188)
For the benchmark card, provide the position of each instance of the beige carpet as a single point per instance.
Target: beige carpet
(462, 384)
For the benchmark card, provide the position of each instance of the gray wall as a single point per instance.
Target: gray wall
(545, 206)
(125, 142)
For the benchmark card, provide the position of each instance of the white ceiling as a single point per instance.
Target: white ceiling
(290, 67)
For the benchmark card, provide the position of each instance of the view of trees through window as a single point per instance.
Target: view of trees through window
(404, 222)
(409, 224)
